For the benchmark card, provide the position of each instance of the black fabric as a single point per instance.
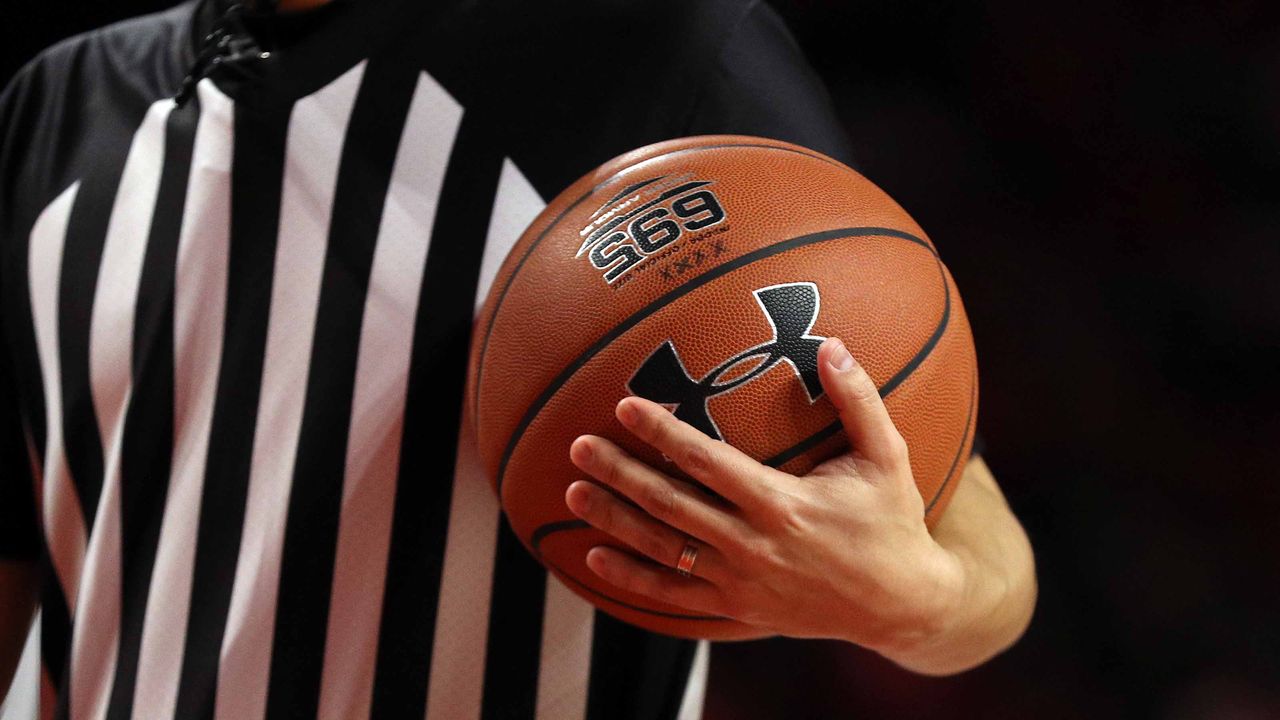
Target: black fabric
(760, 84)
(637, 674)
(19, 525)
(557, 88)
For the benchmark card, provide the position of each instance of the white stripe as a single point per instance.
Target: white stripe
(695, 690)
(462, 615)
(200, 283)
(378, 400)
(564, 666)
(317, 129)
(63, 516)
(515, 205)
(96, 630)
(23, 700)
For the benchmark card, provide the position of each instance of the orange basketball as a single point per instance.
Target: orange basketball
(703, 273)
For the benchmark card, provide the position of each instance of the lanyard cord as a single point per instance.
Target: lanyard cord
(225, 48)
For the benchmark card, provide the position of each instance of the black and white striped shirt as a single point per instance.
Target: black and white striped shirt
(236, 332)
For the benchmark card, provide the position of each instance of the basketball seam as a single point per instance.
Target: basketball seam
(502, 294)
(964, 438)
(555, 526)
(889, 386)
(635, 318)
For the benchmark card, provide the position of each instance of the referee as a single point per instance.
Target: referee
(241, 248)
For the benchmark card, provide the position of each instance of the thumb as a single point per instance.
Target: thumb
(866, 421)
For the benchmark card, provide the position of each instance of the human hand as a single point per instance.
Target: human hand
(842, 552)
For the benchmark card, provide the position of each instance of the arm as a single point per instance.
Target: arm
(18, 591)
(998, 596)
(840, 553)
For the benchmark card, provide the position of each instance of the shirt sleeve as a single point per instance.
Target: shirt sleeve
(19, 527)
(761, 84)
(20, 537)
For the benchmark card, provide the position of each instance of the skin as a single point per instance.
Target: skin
(19, 585)
(842, 553)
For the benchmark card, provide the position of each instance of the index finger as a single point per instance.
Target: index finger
(724, 469)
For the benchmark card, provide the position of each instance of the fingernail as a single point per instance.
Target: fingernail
(626, 413)
(583, 501)
(583, 450)
(595, 560)
(840, 359)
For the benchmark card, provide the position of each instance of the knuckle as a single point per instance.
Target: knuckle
(606, 515)
(660, 430)
(757, 554)
(784, 510)
(898, 448)
(733, 545)
(862, 388)
(615, 474)
(696, 460)
(661, 502)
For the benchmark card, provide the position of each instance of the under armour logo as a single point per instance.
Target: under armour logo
(791, 310)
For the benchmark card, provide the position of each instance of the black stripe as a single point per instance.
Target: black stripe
(148, 424)
(636, 674)
(311, 530)
(77, 282)
(22, 423)
(20, 537)
(697, 282)
(55, 627)
(515, 631)
(432, 409)
(257, 167)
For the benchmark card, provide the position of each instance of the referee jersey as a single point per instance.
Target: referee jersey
(235, 331)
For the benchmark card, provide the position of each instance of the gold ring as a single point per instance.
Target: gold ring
(687, 559)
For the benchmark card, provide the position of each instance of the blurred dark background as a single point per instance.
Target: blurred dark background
(1103, 179)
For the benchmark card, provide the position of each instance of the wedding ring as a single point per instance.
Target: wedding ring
(687, 559)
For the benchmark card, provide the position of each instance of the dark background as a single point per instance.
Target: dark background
(1103, 179)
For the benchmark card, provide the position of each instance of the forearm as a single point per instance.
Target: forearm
(18, 584)
(993, 604)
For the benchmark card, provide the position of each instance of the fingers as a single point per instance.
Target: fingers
(669, 501)
(862, 412)
(644, 578)
(660, 543)
(718, 465)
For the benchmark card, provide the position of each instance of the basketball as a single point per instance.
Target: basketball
(703, 273)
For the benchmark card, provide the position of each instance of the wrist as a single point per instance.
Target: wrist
(930, 608)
